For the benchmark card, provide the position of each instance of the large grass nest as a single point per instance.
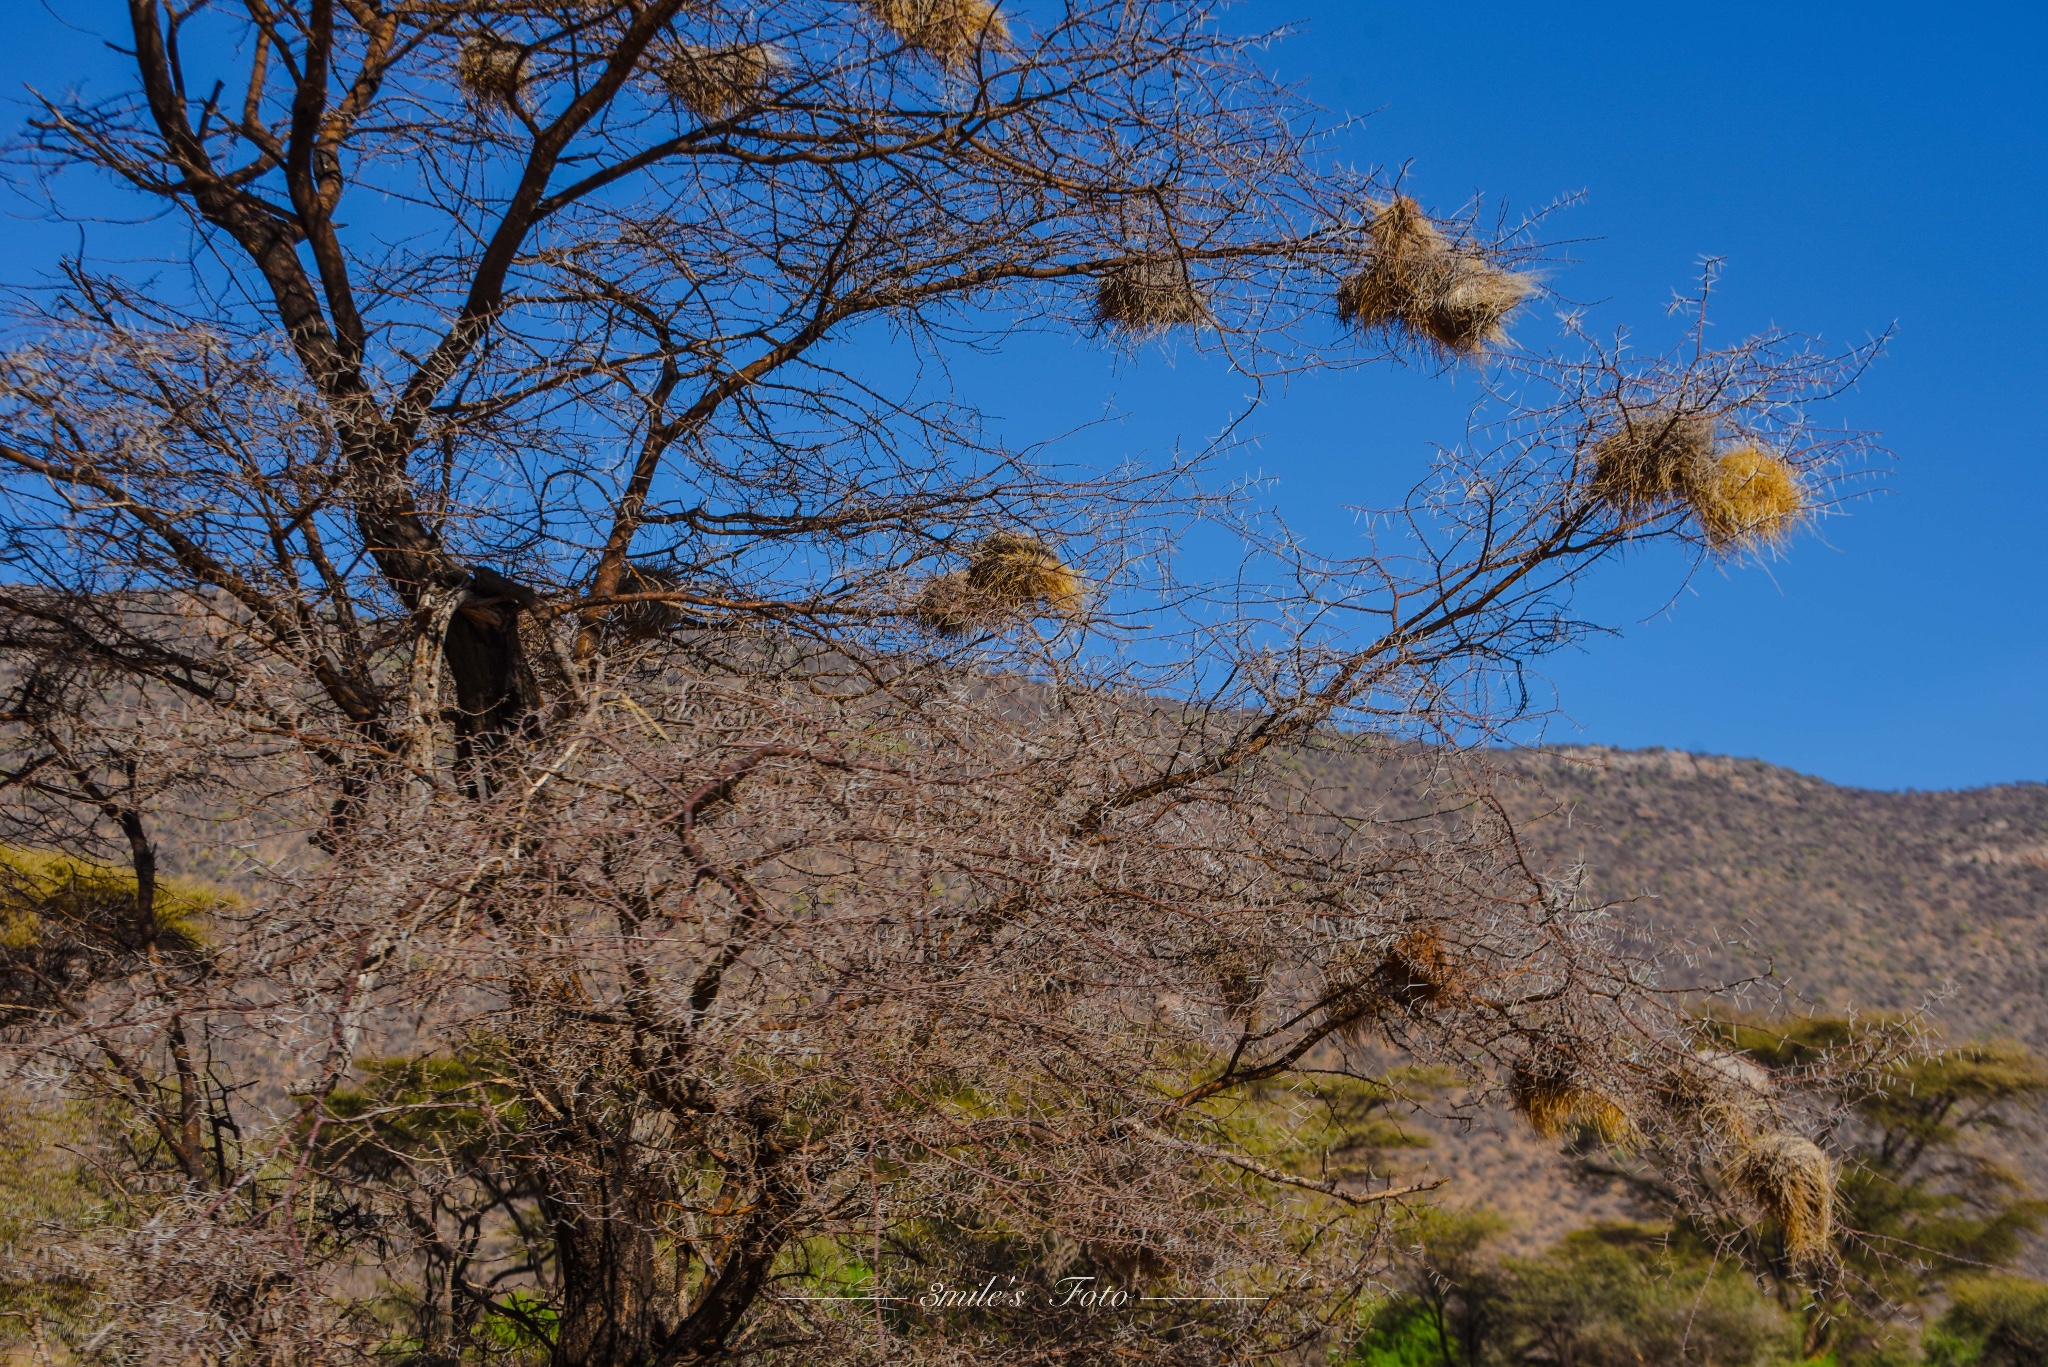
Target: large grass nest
(1725, 1094)
(1008, 574)
(1448, 295)
(1751, 497)
(716, 83)
(950, 30)
(1792, 1179)
(649, 618)
(492, 70)
(1148, 295)
(1553, 1101)
(1654, 457)
(1417, 970)
(1745, 497)
(1415, 973)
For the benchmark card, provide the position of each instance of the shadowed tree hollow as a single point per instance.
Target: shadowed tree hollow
(760, 843)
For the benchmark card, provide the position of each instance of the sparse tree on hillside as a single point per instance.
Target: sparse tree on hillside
(777, 843)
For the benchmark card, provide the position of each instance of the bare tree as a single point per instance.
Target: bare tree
(846, 857)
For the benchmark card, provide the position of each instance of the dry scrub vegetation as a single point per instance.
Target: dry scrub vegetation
(773, 844)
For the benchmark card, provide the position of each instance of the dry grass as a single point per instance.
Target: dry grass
(1552, 1103)
(1751, 497)
(1792, 1179)
(1149, 295)
(950, 30)
(716, 83)
(1008, 574)
(491, 69)
(1653, 458)
(1449, 295)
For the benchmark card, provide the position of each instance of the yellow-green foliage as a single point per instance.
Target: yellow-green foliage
(44, 1183)
(1999, 1321)
(452, 1108)
(42, 894)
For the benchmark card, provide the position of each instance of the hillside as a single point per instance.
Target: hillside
(1856, 898)
(1872, 900)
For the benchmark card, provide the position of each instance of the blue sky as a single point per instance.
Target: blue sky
(1856, 166)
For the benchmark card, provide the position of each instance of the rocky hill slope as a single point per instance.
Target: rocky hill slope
(1851, 898)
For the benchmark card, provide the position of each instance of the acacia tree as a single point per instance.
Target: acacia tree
(777, 843)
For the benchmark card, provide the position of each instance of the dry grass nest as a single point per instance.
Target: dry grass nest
(1553, 1101)
(1751, 497)
(950, 30)
(491, 69)
(1148, 295)
(1792, 1179)
(1008, 574)
(1745, 497)
(1414, 973)
(1416, 970)
(1725, 1094)
(716, 83)
(1447, 294)
(644, 621)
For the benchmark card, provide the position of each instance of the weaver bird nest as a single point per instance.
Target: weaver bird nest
(1552, 1100)
(491, 69)
(1449, 295)
(1745, 496)
(716, 83)
(950, 30)
(1792, 1179)
(1008, 574)
(1148, 295)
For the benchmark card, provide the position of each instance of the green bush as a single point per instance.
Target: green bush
(1992, 1322)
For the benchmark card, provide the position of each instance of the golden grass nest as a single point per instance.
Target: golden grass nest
(1727, 1094)
(491, 69)
(1655, 457)
(1552, 1101)
(950, 30)
(1148, 295)
(1008, 573)
(1746, 496)
(1446, 294)
(1417, 970)
(716, 83)
(1792, 1179)
(1751, 497)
